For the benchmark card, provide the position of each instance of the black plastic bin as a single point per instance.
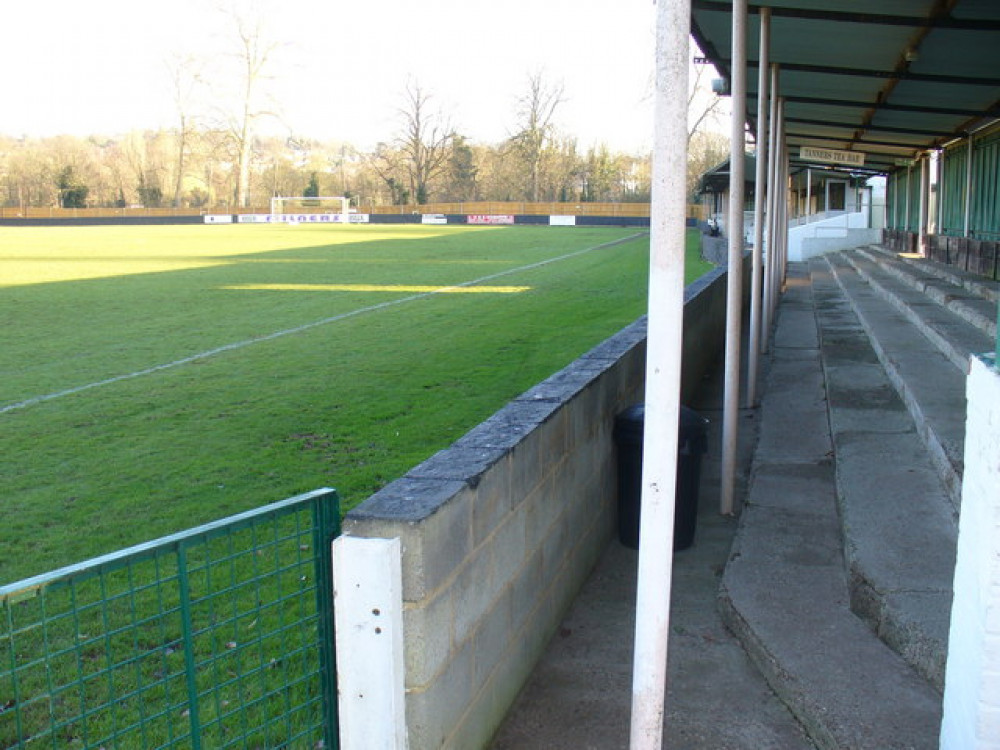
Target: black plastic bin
(691, 446)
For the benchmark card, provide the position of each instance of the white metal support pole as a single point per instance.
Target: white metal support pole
(939, 176)
(968, 188)
(663, 376)
(782, 204)
(780, 208)
(772, 202)
(906, 201)
(922, 218)
(895, 199)
(760, 191)
(734, 278)
(785, 172)
(809, 187)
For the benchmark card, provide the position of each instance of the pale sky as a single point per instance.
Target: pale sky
(100, 66)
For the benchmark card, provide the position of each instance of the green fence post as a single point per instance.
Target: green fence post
(326, 527)
(188, 635)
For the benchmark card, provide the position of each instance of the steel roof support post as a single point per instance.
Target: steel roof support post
(909, 195)
(785, 178)
(809, 186)
(760, 191)
(968, 188)
(734, 277)
(663, 376)
(772, 202)
(922, 211)
(781, 208)
(941, 192)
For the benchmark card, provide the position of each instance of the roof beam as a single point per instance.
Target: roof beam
(873, 128)
(881, 19)
(992, 111)
(905, 75)
(850, 139)
(940, 10)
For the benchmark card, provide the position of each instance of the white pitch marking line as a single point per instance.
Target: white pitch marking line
(299, 329)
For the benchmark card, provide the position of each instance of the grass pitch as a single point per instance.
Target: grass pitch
(155, 378)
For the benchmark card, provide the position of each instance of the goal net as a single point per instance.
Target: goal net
(299, 208)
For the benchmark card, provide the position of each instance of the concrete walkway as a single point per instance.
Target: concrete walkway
(579, 695)
(819, 618)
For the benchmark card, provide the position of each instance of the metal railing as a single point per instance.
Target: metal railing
(220, 636)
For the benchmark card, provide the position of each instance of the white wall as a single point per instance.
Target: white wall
(826, 235)
(972, 679)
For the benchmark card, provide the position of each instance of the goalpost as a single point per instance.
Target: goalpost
(294, 209)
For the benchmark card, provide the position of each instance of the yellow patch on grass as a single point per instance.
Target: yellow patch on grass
(407, 288)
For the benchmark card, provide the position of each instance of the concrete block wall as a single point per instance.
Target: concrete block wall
(500, 530)
(971, 718)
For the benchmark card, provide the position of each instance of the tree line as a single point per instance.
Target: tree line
(200, 168)
(217, 158)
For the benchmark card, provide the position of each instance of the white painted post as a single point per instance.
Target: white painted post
(368, 608)
(772, 203)
(783, 167)
(760, 191)
(734, 278)
(968, 187)
(939, 178)
(780, 208)
(809, 187)
(663, 376)
(906, 199)
(925, 188)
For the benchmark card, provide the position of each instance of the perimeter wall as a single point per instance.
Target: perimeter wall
(500, 530)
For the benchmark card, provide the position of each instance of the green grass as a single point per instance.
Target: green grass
(351, 404)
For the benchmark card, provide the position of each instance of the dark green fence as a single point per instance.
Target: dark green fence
(218, 637)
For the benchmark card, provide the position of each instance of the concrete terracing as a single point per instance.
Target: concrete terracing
(838, 581)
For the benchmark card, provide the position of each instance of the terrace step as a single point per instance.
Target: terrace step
(920, 345)
(973, 298)
(821, 533)
(898, 521)
(959, 321)
(977, 285)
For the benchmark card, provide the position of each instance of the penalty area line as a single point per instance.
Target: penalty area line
(237, 345)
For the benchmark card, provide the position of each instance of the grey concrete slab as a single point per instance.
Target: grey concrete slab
(784, 593)
(898, 522)
(928, 383)
(842, 512)
(797, 328)
(949, 282)
(794, 403)
(953, 335)
(579, 695)
(899, 528)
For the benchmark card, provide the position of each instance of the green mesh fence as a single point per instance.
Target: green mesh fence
(217, 637)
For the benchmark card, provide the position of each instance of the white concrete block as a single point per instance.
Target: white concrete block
(368, 602)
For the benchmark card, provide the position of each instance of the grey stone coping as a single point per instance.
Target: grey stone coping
(422, 491)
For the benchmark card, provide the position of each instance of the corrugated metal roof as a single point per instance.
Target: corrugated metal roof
(888, 79)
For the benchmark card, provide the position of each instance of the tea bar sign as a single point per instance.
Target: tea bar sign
(830, 156)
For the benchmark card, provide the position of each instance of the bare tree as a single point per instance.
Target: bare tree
(424, 143)
(536, 110)
(703, 104)
(185, 78)
(253, 55)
